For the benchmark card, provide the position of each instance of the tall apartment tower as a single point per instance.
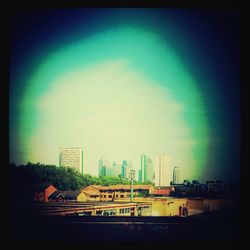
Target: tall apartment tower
(72, 157)
(176, 175)
(146, 172)
(163, 172)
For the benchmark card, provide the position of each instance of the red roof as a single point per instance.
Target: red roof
(161, 192)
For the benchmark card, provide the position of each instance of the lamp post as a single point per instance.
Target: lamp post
(132, 176)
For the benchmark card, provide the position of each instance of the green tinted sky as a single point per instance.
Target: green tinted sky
(126, 82)
(102, 93)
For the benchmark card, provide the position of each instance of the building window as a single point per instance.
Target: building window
(122, 196)
(127, 210)
(110, 196)
(104, 196)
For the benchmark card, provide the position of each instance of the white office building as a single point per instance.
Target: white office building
(163, 171)
(72, 157)
(176, 175)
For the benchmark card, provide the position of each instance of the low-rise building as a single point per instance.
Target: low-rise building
(122, 191)
(92, 208)
(43, 191)
(159, 192)
(92, 192)
(164, 206)
(62, 196)
(101, 193)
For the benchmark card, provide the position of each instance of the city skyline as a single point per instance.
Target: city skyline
(121, 83)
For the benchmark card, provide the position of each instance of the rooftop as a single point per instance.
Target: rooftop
(161, 192)
(91, 192)
(41, 187)
(126, 187)
(65, 194)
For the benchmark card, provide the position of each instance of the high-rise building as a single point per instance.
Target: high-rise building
(103, 166)
(143, 170)
(117, 165)
(115, 169)
(146, 172)
(124, 168)
(151, 172)
(139, 176)
(127, 168)
(72, 157)
(176, 175)
(163, 172)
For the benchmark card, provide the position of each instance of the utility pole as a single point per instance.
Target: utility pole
(132, 176)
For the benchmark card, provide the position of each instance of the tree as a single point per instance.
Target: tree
(143, 193)
(25, 178)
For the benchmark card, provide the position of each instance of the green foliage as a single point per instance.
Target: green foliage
(25, 178)
(143, 193)
(112, 180)
(143, 183)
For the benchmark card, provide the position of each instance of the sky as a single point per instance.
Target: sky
(126, 82)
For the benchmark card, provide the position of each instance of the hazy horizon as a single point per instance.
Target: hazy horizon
(126, 82)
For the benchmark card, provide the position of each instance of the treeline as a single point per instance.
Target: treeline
(25, 179)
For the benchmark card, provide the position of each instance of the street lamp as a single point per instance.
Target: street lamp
(131, 177)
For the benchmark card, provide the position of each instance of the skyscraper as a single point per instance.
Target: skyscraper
(139, 176)
(176, 175)
(128, 169)
(163, 173)
(146, 172)
(103, 166)
(72, 157)
(143, 170)
(124, 166)
(117, 168)
(114, 169)
(151, 172)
